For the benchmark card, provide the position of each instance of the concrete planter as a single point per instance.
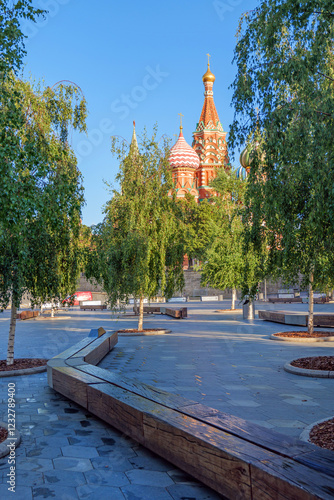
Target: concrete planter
(248, 310)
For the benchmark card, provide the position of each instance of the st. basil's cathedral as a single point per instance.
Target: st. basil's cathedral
(193, 167)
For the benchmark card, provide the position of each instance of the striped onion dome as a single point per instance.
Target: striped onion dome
(241, 173)
(183, 155)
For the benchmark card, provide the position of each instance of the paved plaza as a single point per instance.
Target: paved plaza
(217, 359)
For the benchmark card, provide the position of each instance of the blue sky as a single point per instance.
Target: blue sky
(134, 60)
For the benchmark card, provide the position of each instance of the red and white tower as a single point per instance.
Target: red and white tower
(209, 140)
(184, 162)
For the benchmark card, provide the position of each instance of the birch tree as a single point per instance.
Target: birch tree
(138, 246)
(41, 193)
(284, 91)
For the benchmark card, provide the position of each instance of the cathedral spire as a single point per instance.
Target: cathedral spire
(134, 144)
(209, 117)
(209, 140)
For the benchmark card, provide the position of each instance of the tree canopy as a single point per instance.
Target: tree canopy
(41, 192)
(284, 102)
(139, 251)
(226, 263)
(12, 48)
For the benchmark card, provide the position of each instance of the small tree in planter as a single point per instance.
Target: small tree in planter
(138, 249)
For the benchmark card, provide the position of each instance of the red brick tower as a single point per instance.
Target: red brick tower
(209, 140)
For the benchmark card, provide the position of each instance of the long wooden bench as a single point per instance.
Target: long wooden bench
(174, 313)
(238, 459)
(297, 300)
(93, 308)
(322, 320)
(27, 315)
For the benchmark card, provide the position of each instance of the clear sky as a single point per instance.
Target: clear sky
(134, 60)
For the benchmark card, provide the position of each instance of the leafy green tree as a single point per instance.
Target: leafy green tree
(226, 265)
(285, 66)
(138, 247)
(12, 48)
(195, 219)
(41, 197)
(41, 194)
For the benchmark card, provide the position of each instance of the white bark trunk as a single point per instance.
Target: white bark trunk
(11, 337)
(141, 313)
(310, 328)
(234, 298)
(265, 290)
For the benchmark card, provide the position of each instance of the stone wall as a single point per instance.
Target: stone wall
(84, 285)
(192, 287)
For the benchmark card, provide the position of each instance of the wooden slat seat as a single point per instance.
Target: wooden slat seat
(174, 313)
(239, 459)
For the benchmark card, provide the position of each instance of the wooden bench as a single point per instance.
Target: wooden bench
(174, 313)
(93, 308)
(297, 300)
(177, 313)
(27, 315)
(322, 320)
(238, 459)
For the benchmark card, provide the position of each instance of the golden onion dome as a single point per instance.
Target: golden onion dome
(208, 76)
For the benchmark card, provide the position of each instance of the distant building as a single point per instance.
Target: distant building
(194, 167)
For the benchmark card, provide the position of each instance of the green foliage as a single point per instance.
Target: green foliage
(11, 37)
(226, 264)
(195, 220)
(41, 194)
(138, 249)
(285, 69)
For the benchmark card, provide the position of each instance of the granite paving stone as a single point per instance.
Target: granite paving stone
(150, 463)
(57, 477)
(21, 493)
(149, 477)
(187, 491)
(79, 451)
(52, 441)
(48, 451)
(118, 463)
(27, 478)
(107, 478)
(35, 464)
(55, 491)
(93, 492)
(144, 492)
(72, 464)
(217, 359)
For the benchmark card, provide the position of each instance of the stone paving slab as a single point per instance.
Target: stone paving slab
(221, 360)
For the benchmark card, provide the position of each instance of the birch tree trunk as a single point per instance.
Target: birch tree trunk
(141, 313)
(135, 308)
(310, 306)
(11, 337)
(265, 290)
(234, 297)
